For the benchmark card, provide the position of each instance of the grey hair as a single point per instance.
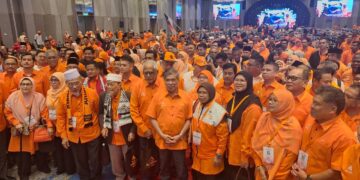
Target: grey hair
(151, 63)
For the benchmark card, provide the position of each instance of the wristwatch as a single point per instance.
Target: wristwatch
(308, 177)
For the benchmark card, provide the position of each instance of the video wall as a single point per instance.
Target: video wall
(283, 17)
(334, 8)
(226, 10)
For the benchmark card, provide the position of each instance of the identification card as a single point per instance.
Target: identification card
(116, 127)
(302, 159)
(196, 138)
(229, 122)
(52, 114)
(73, 122)
(268, 155)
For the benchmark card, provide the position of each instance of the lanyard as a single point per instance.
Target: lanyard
(237, 106)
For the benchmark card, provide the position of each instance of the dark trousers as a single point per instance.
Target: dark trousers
(23, 162)
(3, 152)
(175, 157)
(148, 149)
(87, 159)
(64, 158)
(42, 160)
(196, 175)
(237, 173)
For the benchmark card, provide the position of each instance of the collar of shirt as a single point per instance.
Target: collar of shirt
(301, 96)
(326, 125)
(33, 73)
(177, 95)
(156, 84)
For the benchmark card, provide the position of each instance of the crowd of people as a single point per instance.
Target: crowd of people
(242, 103)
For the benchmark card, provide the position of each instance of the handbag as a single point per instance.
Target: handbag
(41, 133)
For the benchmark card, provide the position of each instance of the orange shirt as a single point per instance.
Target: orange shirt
(129, 84)
(171, 113)
(42, 84)
(341, 70)
(226, 93)
(347, 56)
(307, 53)
(265, 54)
(345, 46)
(350, 169)
(2, 102)
(61, 67)
(140, 100)
(352, 122)
(239, 144)
(347, 77)
(264, 92)
(324, 143)
(7, 81)
(214, 134)
(79, 133)
(303, 104)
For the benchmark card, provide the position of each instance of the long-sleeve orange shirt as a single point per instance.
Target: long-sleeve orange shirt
(79, 133)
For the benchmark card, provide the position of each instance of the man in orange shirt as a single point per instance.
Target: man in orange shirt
(347, 55)
(140, 100)
(351, 113)
(10, 65)
(320, 55)
(347, 43)
(225, 87)
(78, 125)
(308, 50)
(296, 81)
(264, 89)
(350, 168)
(325, 137)
(347, 76)
(254, 66)
(118, 128)
(321, 77)
(54, 63)
(42, 83)
(94, 79)
(129, 80)
(3, 136)
(170, 112)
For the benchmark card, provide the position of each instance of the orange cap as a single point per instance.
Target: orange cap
(170, 57)
(200, 60)
(104, 56)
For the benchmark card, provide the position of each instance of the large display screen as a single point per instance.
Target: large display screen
(283, 17)
(334, 8)
(153, 9)
(178, 9)
(226, 10)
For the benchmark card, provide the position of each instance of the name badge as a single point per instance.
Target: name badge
(196, 138)
(264, 109)
(116, 127)
(302, 159)
(268, 155)
(52, 114)
(73, 122)
(229, 122)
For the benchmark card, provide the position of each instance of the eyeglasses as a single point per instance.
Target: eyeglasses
(292, 78)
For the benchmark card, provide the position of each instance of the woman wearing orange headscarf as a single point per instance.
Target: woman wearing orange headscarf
(277, 138)
(63, 157)
(205, 76)
(183, 66)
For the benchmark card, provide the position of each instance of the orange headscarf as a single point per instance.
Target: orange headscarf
(282, 127)
(193, 94)
(182, 65)
(289, 129)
